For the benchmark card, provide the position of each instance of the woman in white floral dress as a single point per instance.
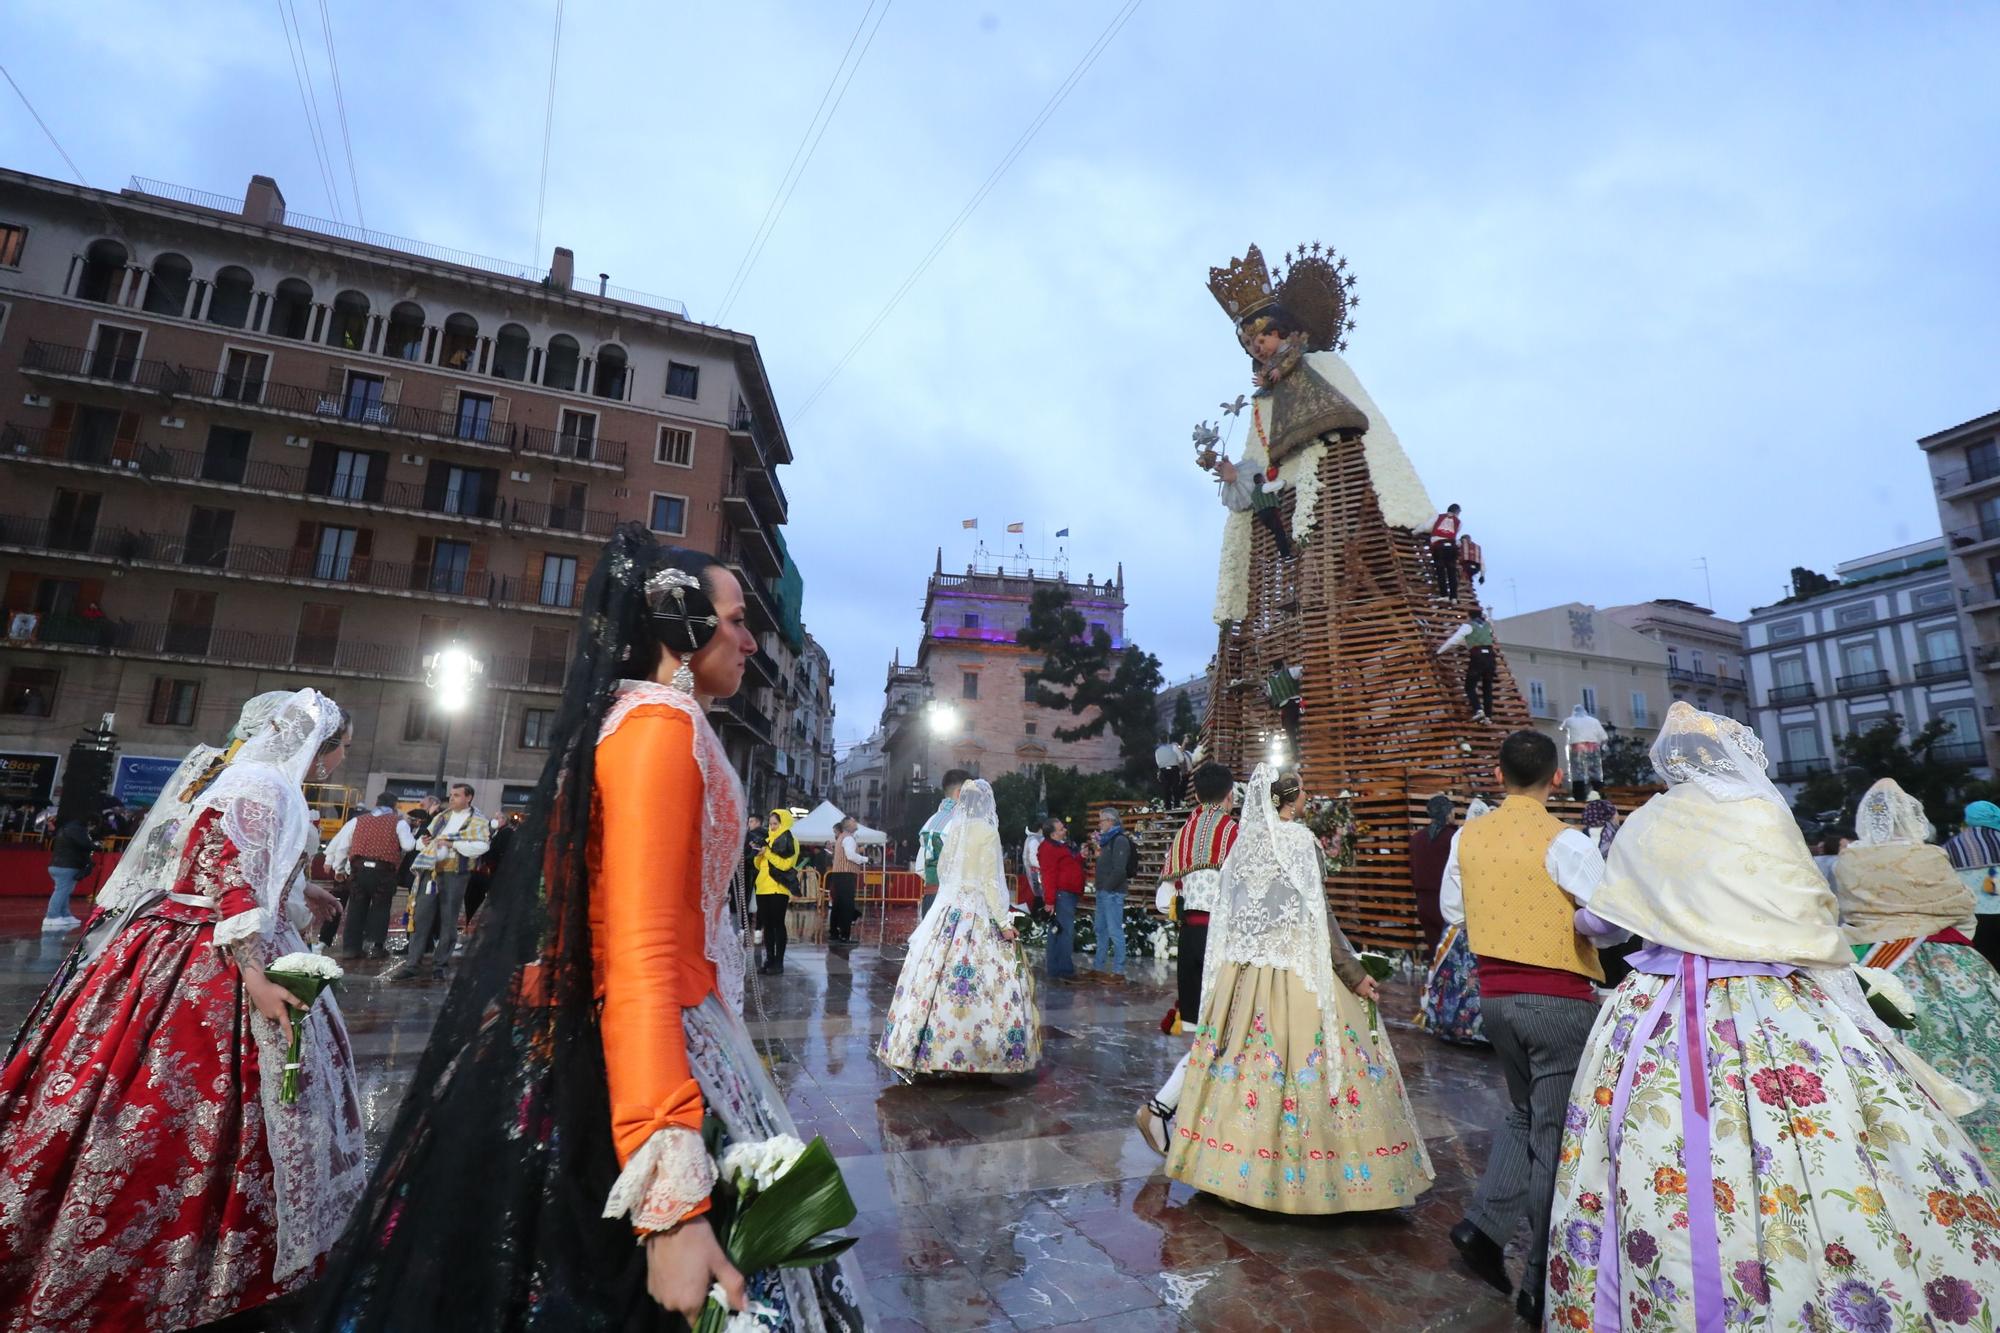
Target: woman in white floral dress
(965, 1001)
(1828, 1186)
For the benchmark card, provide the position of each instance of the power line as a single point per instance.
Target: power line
(286, 20)
(45, 128)
(340, 102)
(548, 127)
(790, 181)
(1056, 99)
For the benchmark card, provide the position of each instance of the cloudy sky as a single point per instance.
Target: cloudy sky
(1640, 285)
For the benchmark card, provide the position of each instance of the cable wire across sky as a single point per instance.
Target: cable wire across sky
(1049, 108)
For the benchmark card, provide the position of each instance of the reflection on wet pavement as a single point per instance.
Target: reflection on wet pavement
(1029, 1202)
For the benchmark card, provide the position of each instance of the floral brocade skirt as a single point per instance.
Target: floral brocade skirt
(1958, 1030)
(964, 1001)
(1279, 1114)
(1450, 1007)
(1842, 1197)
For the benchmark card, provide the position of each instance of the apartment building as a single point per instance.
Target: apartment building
(246, 450)
(1574, 654)
(859, 780)
(1880, 640)
(1704, 652)
(1965, 472)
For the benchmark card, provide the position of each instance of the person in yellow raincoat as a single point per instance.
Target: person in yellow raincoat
(777, 880)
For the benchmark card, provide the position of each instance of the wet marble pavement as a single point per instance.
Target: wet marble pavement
(1031, 1202)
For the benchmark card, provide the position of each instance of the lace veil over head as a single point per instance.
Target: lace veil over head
(971, 875)
(1890, 814)
(1718, 754)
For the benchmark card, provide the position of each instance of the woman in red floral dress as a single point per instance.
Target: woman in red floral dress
(150, 1177)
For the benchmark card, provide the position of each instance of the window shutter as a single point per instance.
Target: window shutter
(60, 424)
(378, 475)
(450, 403)
(319, 470)
(91, 593)
(162, 693)
(302, 549)
(420, 568)
(364, 545)
(435, 482)
(475, 570)
(336, 380)
(392, 391)
(20, 592)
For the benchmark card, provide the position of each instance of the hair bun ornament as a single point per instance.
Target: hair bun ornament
(683, 617)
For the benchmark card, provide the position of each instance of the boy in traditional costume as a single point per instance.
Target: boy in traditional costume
(930, 838)
(1193, 875)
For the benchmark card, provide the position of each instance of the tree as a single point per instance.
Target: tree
(1119, 686)
(1628, 761)
(1880, 752)
(1185, 723)
(1018, 799)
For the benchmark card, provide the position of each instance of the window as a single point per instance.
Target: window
(1695, 659)
(1959, 725)
(351, 470)
(1590, 700)
(475, 417)
(73, 520)
(1859, 614)
(558, 580)
(450, 562)
(58, 599)
(536, 726)
(1673, 658)
(423, 722)
(1788, 629)
(208, 534)
(548, 656)
(94, 435)
(578, 432)
(115, 354)
(334, 553)
(190, 622)
(1940, 643)
(318, 642)
(1789, 670)
(1641, 715)
(1538, 698)
(969, 685)
(226, 455)
(1028, 686)
(676, 447)
(1983, 459)
(243, 376)
(1859, 659)
(1931, 597)
(970, 620)
(13, 240)
(1030, 727)
(31, 692)
(1802, 743)
(434, 632)
(174, 702)
(683, 381)
(470, 491)
(669, 515)
(363, 400)
(566, 504)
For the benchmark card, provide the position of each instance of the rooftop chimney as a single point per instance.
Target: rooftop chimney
(562, 271)
(264, 202)
(603, 281)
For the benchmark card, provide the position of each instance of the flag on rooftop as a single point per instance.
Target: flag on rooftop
(1016, 527)
(1062, 532)
(971, 523)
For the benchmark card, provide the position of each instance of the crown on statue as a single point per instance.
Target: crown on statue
(1243, 286)
(1318, 291)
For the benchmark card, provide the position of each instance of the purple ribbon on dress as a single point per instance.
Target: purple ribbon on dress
(1688, 976)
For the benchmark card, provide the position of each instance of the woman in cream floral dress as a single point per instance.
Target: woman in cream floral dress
(1828, 1186)
(965, 1003)
(1294, 1101)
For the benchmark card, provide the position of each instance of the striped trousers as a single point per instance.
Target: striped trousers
(1540, 1040)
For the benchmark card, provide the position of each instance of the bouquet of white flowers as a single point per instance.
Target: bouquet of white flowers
(1381, 967)
(773, 1201)
(1888, 997)
(304, 975)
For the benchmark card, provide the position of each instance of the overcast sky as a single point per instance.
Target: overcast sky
(1639, 284)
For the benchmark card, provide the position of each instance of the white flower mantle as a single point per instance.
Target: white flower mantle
(1400, 491)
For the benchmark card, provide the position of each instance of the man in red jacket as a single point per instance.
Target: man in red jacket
(1062, 886)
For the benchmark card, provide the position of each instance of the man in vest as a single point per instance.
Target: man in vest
(366, 854)
(930, 838)
(1482, 662)
(1444, 553)
(1516, 877)
(843, 882)
(458, 835)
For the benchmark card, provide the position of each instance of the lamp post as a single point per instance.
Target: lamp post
(450, 673)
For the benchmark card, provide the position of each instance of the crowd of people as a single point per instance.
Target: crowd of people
(1780, 1117)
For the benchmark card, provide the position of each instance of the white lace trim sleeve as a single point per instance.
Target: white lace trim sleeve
(243, 926)
(666, 1179)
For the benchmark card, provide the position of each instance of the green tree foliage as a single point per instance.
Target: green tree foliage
(1628, 761)
(1185, 723)
(1082, 673)
(1071, 794)
(1881, 752)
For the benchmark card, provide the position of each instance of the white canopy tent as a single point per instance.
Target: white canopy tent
(818, 827)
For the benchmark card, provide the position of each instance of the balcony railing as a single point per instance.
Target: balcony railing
(1798, 770)
(1948, 482)
(291, 565)
(744, 422)
(1960, 752)
(478, 429)
(1979, 599)
(1792, 694)
(741, 710)
(1686, 676)
(1863, 682)
(1941, 668)
(1987, 529)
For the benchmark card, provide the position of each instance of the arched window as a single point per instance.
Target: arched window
(103, 272)
(291, 309)
(405, 338)
(167, 293)
(559, 366)
(460, 347)
(510, 353)
(229, 304)
(610, 372)
(348, 329)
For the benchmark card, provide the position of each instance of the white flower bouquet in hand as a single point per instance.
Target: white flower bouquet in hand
(304, 975)
(1888, 997)
(773, 1201)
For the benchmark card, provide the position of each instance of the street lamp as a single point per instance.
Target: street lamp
(943, 718)
(450, 673)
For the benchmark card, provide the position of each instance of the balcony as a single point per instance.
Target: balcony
(1979, 599)
(1791, 694)
(1941, 668)
(40, 360)
(1683, 676)
(739, 710)
(1960, 752)
(750, 534)
(1965, 478)
(1987, 529)
(582, 449)
(291, 566)
(1863, 682)
(1798, 770)
(761, 456)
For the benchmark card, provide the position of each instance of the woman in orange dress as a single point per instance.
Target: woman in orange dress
(548, 1169)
